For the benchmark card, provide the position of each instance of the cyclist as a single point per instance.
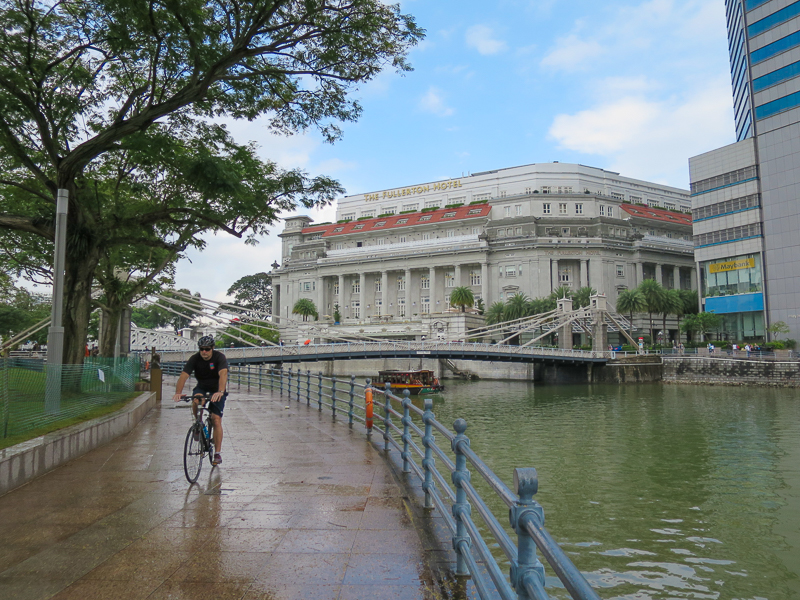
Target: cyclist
(211, 370)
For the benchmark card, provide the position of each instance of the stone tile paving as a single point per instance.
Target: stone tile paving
(300, 508)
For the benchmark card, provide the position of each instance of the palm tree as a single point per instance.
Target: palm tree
(631, 301)
(654, 295)
(691, 302)
(463, 297)
(516, 307)
(306, 308)
(673, 305)
(494, 314)
(563, 291)
(582, 296)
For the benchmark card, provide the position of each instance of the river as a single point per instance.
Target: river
(655, 491)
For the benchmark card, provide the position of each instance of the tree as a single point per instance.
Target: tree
(631, 301)
(305, 308)
(85, 86)
(654, 295)
(463, 297)
(703, 323)
(19, 311)
(517, 307)
(256, 331)
(672, 305)
(562, 291)
(253, 292)
(778, 328)
(494, 314)
(162, 315)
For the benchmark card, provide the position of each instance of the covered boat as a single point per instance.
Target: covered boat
(416, 382)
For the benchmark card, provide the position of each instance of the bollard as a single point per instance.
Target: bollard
(427, 441)
(155, 382)
(527, 568)
(352, 395)
(461, 541)
(333, 397)
(388, 415)
(308, 387)
(319, 387)
(406, 422)
(368, 407)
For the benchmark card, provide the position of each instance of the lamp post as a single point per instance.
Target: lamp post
(55, 335)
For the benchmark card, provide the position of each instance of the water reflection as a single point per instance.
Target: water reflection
(655, 491)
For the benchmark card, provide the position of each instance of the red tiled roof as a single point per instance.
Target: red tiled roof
(657, 214)
(406, 220)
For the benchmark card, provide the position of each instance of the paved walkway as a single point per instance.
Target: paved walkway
(300, 508)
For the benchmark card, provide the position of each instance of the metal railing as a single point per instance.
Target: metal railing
(414, 438)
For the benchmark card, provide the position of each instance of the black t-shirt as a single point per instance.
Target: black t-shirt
(206, 371)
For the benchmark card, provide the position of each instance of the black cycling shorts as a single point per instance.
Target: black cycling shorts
(215, 408)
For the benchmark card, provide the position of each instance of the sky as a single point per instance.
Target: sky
(629, 86)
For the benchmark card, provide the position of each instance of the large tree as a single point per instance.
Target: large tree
(253, 292)
(462, 296)
(83, 82)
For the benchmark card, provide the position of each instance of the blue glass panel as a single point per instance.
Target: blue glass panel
(790, 41)
(770, 79)
(735, 304)
(744, 132)
(774, 19)
(776, 106)
(751, 4)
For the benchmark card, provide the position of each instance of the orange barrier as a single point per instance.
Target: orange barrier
(368, 396)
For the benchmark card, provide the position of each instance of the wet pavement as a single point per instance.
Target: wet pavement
(301, 507)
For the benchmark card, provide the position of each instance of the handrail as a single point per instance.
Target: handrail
(526, 580)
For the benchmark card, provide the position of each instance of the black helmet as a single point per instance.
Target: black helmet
(205, 342)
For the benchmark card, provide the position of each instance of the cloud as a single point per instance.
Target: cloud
(433, 102)
(482, 39)
(572, 53)
(651, 138)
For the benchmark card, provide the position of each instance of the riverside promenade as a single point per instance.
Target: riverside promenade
(302, 507)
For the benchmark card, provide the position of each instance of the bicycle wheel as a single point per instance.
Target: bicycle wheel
(193, 454)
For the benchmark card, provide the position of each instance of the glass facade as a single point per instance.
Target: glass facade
(729, 276)
(773, 20)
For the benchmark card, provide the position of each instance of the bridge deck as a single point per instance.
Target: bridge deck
(300, 508)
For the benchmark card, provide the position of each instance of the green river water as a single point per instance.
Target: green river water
(655, 491)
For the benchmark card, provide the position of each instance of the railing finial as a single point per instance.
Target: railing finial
(526, 484)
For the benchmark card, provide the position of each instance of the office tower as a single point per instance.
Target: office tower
(746, 196)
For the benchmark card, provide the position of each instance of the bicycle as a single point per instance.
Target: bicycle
(198, 442)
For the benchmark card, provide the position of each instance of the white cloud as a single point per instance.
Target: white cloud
(433, 102)
(482, 38)
(572, 53)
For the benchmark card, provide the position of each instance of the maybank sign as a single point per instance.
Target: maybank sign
(413, 191)
(732, 265)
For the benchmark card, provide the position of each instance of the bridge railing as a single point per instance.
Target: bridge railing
(412, 430)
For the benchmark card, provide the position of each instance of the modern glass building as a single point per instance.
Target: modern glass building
(746, 196)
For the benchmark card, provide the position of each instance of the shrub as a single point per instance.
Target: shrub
(430, 209)
(479, 202)
(456, 205)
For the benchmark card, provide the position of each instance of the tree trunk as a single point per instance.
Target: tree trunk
(108, 333)
(77, 306)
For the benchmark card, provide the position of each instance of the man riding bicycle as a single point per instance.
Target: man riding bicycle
(211, 370)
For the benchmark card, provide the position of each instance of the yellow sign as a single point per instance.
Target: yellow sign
(411, 191)
(732, 265)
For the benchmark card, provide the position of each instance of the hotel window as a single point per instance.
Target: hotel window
(579, 209)
(368, 213)
(501, 233)
(477, 197)
(457, 199)
(620, 270)
(475, 278)
(349, 216)
(402, 221)
(356, 306)
(449, 215)
(380, 223)
(381, 241)
(410, 207)
(518, 209)
(546, 208)
(426, 236)
(357, 227)
(401, 283)
(511, 272)
(432, 204)
(425, 305)
(451, 233)
(602, 210)
(474, 211)
(402, 239)
(546, 189)
(449, 279)
(338, 230)
(518, 231)
(565, 190)
(401, 307)
(562, 208)
(610, 211)
(653, 203)
(339, 245)
(618, 196)
(305, 286)
(378, 307)
(425, 218)
(507, 211)
(503, 194)
(356, 287)
(564, 277)
(447, 301)
(635, 199)
(528, 190)
(565, 231)
(389, 210)
(335, 288)
(377, 285)
(510, 231)
(424, 282)
(476, 230)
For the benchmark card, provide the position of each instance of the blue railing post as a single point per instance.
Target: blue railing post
(280, 374)
(352, 399)
(299, 375)
(289, 385)
(461, 541)
(428, 441)
(406, 423)
(308, 387)
(333, 397)
(388, 415)
(248, 377)
(526, 572)
(319, 390)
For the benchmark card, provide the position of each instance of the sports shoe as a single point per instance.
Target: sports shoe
(217, 459)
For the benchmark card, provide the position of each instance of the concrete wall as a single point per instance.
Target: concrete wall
(23, 462)
(725, 371)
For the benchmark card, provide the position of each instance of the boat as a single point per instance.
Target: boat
(416, 382)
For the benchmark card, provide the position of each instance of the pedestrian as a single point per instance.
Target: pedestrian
(747, 349)
(681, 348)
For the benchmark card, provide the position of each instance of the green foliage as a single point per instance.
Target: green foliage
(474, 202)
(778, 328)
(456, 205)
(257, 330)
(480, 307)
(19, 311)
(253, 292)
(430, 209)
(563, 291)
(305, 308)
(516, 307)
(582, 297)
(462, 296)
(156, 315)
(495, 313)
(702, 323)
(337, 316)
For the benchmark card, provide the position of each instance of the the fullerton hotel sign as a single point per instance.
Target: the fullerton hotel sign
(413, 191)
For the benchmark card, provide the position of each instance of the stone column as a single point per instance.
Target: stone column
(340, 299)
(695, 279)
(385, 308)
(485, 284)
(639, 272)
(321, 308)
(659, 274)
(362, 287)
(584, 276)
(457, 275)
(432, 291)
(676, 277)
(408, 298)
(554, 275)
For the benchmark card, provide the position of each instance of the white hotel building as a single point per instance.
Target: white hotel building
(394, 256)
